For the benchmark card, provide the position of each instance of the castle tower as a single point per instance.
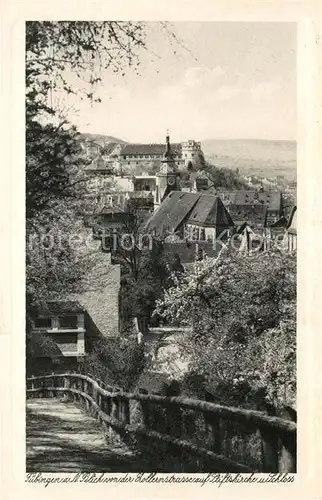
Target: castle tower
(168, 164)
(191, 151)
(168, 178)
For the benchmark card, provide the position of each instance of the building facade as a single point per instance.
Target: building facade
(126, 157)
(63, 323)
(290, 237)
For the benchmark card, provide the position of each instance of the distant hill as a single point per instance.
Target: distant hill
(253, 156)
(101, 139)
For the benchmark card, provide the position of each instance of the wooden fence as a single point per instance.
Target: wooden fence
(196, 434)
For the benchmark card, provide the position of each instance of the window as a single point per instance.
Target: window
(43, 322)
(66, 338)
(66, 343)
(210, 235)
(68, 322)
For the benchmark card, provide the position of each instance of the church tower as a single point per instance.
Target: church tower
(168, 177)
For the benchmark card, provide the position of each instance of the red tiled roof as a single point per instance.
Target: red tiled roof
(149, 149)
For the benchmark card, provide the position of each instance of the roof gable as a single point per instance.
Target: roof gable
(172, 212)
(210, 211)
(281, 222)
(292, 222)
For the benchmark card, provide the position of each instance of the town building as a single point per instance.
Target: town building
(76, 321)
(64, 323)
(145, 187)
(190, 216)
(123, 158)
(137, 154)
(290, 238)
(258, 208)
(123, 213)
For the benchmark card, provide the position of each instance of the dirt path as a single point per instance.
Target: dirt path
(62, 438)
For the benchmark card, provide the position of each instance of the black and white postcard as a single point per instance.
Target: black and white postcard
(165, 311)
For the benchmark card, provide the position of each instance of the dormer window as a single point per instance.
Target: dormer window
(43, 322)
(68, 322)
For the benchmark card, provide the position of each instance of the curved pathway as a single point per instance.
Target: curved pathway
(62, 438)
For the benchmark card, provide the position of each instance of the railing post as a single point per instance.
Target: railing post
(287, 460)
(52, 392)
(115, 413)
(67, 386)
(86, 392)
(269, 451)
(99, 399)
(125, 411)
(115, 406)
(215, 428)
(106, 405)
(94, 395)
(156, 416)
(74, 385)
(144, 410)
(32, 385)
(174, 420)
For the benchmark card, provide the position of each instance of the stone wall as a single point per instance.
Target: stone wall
(100, 297)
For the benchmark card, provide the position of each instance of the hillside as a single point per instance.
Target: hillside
(253, 157)
(101, 139)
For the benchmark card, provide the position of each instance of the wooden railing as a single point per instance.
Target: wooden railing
(198, 434)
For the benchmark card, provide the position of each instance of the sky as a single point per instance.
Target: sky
(236, 80)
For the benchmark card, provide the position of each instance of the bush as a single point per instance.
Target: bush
(117, 362)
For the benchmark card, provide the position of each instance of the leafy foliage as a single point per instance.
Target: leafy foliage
(56, 190)
(141, 289)
(64, 58)
(223, 178)
(116, 361)
(242, 318)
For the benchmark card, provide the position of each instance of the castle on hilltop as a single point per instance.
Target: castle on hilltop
(130, 157)
(183, 153)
